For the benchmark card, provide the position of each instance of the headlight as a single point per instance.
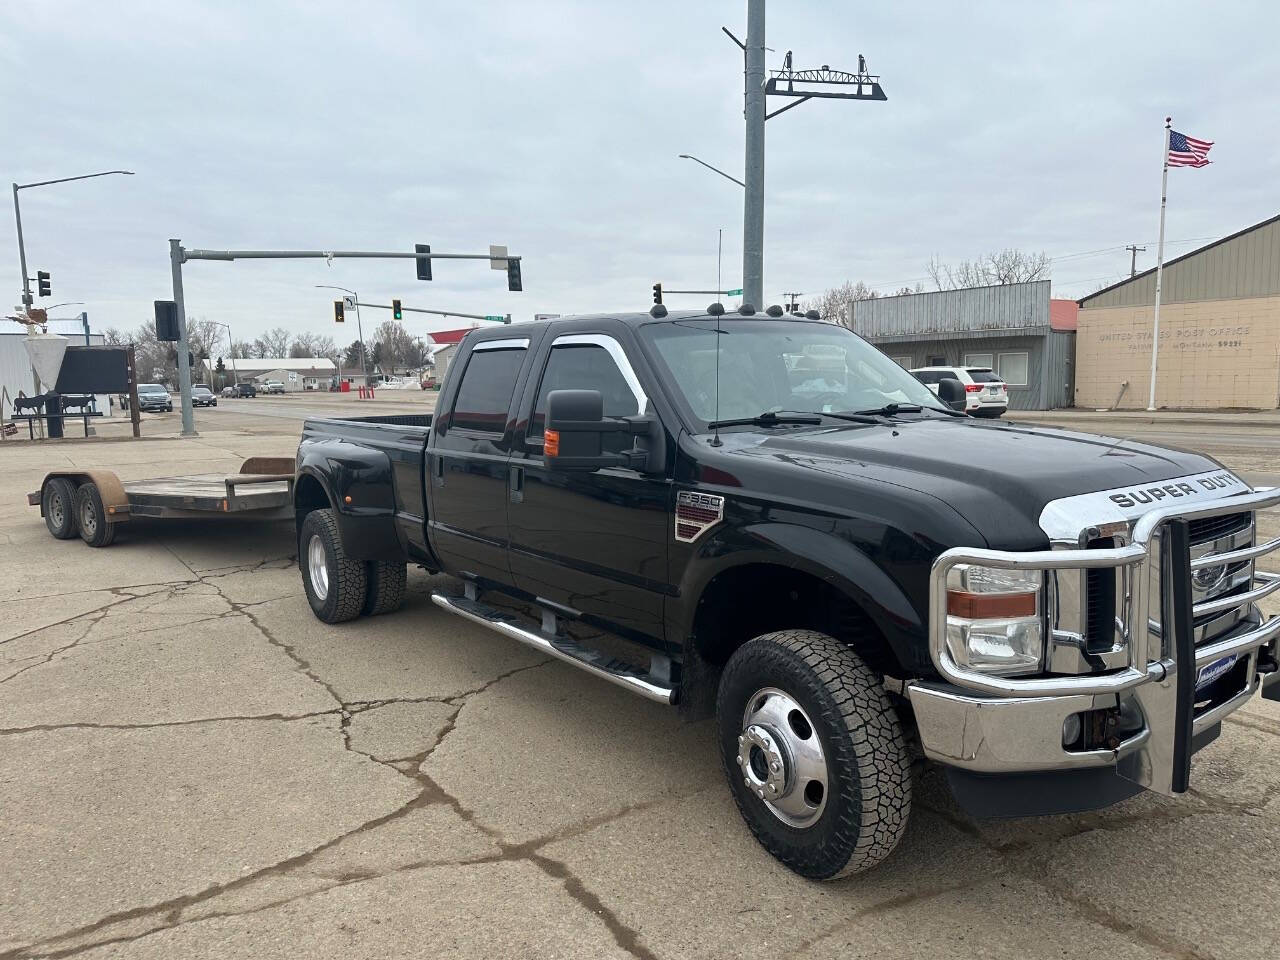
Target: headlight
(994, 619)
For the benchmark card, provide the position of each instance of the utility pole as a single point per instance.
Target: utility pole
(793, 303)
(758, 85)
(1133, 260)
(184, 371)
(753, 168)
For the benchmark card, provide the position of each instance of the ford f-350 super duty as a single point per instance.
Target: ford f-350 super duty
(765, 519)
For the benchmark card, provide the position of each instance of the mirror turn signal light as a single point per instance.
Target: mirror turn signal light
(551, 443)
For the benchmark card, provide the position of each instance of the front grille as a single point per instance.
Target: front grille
(1100, 602)
(1204, 529)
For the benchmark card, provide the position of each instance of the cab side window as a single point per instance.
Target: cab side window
(586, 367)
(485, 392)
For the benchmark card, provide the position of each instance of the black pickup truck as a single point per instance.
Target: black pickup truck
(765, 519)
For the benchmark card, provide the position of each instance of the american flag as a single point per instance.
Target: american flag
(1187, 151)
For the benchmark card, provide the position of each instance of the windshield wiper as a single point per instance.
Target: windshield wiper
(767, 419)
(889, 409)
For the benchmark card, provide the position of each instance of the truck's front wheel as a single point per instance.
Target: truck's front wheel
(335, 583)
(814, 753)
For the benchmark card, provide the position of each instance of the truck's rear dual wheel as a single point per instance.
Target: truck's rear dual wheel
(59, 505)
(387, 580)
(814, 753)
(335, 584)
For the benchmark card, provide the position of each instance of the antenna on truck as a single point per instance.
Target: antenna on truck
(717, 310)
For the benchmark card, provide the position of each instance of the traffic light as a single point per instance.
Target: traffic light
(657, 293)
(166, 320)
(513, 274)
(191, 358)
(338, 315)
(396, 311)
(42, 283)
(424, 263)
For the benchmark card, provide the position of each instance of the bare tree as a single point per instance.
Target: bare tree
(312, 345)
(272, 344)
(990, 269)
(241, 349)
(833, 304)
(115, 337)
(393, 344)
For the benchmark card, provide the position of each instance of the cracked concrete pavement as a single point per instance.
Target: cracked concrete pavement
(192, 765)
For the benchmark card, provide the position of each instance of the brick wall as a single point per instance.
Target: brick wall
(1213, 353)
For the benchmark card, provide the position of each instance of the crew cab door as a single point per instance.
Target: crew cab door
(466, 462)
(593, 542)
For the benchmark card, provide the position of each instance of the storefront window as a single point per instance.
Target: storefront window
(1013, 368)
(987, 360)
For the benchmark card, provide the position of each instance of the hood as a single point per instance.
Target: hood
(998, 476)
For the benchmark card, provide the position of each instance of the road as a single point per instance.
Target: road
(192, 766)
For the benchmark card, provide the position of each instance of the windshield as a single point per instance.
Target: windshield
(984, 376)
(151, 388)
(780, 365)
(200, 390)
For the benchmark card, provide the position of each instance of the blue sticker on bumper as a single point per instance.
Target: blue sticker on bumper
(1214, 671)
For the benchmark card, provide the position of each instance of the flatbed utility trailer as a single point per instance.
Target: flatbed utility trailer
(92, 503)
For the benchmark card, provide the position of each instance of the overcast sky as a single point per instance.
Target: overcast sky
(554, 127)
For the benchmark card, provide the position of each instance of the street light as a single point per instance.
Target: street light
(232, 345)
(359, 326)
(685, 156)
(17, 216)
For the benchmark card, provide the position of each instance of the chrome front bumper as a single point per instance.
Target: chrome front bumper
(993, 725)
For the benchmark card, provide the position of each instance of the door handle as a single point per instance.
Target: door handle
(437, 470)
(515, 483)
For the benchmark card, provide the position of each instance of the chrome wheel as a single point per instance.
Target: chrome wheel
(781, 758)
(317, 568)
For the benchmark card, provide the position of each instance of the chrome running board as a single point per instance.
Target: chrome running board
(560, 647)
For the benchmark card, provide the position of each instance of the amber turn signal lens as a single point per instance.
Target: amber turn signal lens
(990, 606)
(551, 443)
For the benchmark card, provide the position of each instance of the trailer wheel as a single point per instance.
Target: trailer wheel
(335, 583)
(94, 529)
(60, 507)
(814, 753)
(386, 586)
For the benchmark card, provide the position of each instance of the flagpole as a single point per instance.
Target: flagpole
(1155, 327)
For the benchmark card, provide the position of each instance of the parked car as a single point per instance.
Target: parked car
(228, 391)
(202, 396)
(154, 396)
(246, 389)
(986, 395)
(820, 554)
(273, 386)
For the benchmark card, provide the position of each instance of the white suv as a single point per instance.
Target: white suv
(985, 394)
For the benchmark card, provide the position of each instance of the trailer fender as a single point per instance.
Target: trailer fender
(110, 489)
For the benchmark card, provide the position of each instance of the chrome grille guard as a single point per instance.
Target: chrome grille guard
(1162, 663)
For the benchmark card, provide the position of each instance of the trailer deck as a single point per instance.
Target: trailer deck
(93, 502)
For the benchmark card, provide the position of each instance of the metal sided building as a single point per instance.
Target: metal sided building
(1010, 328)
(1219, 330)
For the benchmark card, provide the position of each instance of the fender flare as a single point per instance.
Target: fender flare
(369, 532)
(829, 558)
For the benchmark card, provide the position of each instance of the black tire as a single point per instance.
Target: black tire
(386, 581)
(343, 582)
(91, 517)
(58, 503)
(863, 810)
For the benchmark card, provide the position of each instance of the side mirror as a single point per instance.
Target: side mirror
(951, 392)
(573, 438)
